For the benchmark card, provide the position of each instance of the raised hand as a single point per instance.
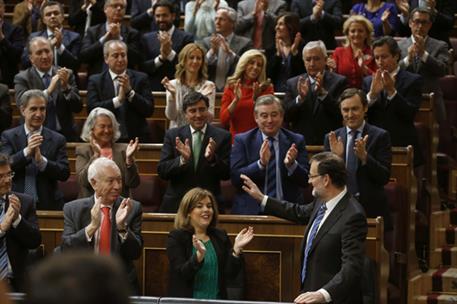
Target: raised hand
(210, 150)
(124, 83)
(214, 43)
(389, 83)
(114, 30)
(319, 87)
(331, 64)
(33, 142)
(265, 153)
(64, 76)
(291, 156)
(303, 86)
(168, 86)
(403, 7)
(57, 39)
(336, 144)
(183, 148)
(242, 239)
(96, 149)
(199, 248)
(95, 219)
(419, 45)
(122, 212)
(251, 188)
(376, 84)
(296, 44)
(360, 149)
(132, 147)
(208, 88)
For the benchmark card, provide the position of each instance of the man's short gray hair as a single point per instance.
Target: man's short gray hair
(97, 167)
(231, 13)
(108, 2)
(318, 44)
(266, 100)
(35, 39)
(25, 98)
(109, 43)
(90, 123)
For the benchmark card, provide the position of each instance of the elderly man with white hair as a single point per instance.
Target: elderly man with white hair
(106, 222)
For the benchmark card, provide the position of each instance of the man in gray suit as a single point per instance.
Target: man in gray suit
(427, 56)
(257, 20)
(105, 223)
(225, 47)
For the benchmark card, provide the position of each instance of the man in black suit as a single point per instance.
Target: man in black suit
(394, 96)
(194, 155)
(58, 85)
(65, 44)
(334, 241)
(143, 15)
(85, 13)
(38, 154)
(311, 100)
(105, 223)
(161, 48)
(6, 114)
(124, 92)
(96, 36)
(367, 153)
(319, 19)
(19, 230)
(12, 41)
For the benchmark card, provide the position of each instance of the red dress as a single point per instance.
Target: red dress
(347, 66)
(242, 118)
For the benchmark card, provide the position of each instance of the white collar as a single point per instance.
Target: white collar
(114, 75)
(27, 130)
(360, 129)
(331, 204)
(203, 130)
(170, 31)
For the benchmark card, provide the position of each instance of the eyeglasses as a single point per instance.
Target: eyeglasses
(7, 175)
(313, 176)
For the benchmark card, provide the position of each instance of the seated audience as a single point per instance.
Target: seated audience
(311, 100)
(123, 91)
(383, 16)
(65, 44)
(58, 85)
(285, 59)
(199, 17)
(101, 130)
(6, 113)
(161, 47)
(201, 257)
(194, 155)
(256, 20)
(274, 157)
(319, 20)
(142, 15)
(355, 59)
(86, 13)
(105, 223)
(12, 41)
(246, 84)
(224, 47)
(27, 15)
(78, 278)
(19, 230)
(191, 75)
(38, 154)
(113, 29)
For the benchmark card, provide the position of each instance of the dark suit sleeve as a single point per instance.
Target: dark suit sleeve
(299, 176)
(93, 98)
(299, 214)
(73, 237)
(131, 247)
(436, 65)
(333, 17)
(244, 21)
(27, 232)
(18, 160)
(379, 160)
(240, 165)
(407, 100)
(69, 57)
(220, 168)
(135, 56)
(5, 108)
(59, 168)
(91, 47)
(185, 266)
(142, 102)
(11, 49)
(71, 98)
(20, 87)
(168, 166)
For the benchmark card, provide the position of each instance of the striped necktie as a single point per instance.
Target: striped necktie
(4, 261)
(271, 170)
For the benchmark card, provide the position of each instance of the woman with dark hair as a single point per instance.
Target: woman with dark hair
(383, 15)
(201, 256)
(285, 59)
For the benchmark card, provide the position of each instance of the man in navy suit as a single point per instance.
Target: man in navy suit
(161, 48)
(19, 230)
(334, 242)
(64, 43)
(38, 154)
(273, 157)
(368, 156)
(143, 15)
(123, 91)
(96, 36)
(12, 41)
(194, 155)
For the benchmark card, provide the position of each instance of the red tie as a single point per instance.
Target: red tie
(105, 233)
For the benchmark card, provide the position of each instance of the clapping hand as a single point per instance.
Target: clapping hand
(96, 149)
(199, 248)
(210, 150)
(336, 144)
(183, 148)
(360, 149)
(265, 153)
(242, 239)
(132, 147)
(291, 156)
(122, 212)
(168, 86)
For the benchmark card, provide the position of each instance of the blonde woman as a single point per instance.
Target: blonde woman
(191, 75)
(243, 87)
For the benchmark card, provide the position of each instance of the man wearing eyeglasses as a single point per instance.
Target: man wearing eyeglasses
(19, 230)
(426, 56)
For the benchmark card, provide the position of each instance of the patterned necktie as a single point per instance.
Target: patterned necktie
(30, 177)
(221, 69)
(271, 170)
(352, 164)
(105, 233)
(4, 261)
(312, 235)
(196, 147)
(54, 50)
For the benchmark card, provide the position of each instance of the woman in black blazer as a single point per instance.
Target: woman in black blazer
(201, 256)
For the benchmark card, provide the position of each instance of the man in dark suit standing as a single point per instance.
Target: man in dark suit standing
(65, 44)
(224, 47)
(194, 155)
(96, 36)
(143, 15)
(275, 158)
(123, 91)
(426, 56)
(12, 41)
(57, 84)
(334, 241)
(319, 19)
(394, 96)
(311, 100)
(38, 154)
(161, 48)
(367, 153)
(85, 13)
(19, 230)
(105, 223)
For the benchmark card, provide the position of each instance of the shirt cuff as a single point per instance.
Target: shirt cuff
(61, 49)
(260, 165)
(123, 235)
(17, 221)
(157, 62)
(371, 101)
(263, 203)
(425, 56)
(297, 100)
(116, 102)
(292, 168)
(171, 56)
(406, 61)
(23, 151)
(102, 40)
(389, 98)
(131, 95)
(88, 238)
(326, 295)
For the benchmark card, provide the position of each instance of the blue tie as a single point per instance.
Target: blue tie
(51, 108)
(271, 170)
(3, 252)
(352, 164)
(312, 235)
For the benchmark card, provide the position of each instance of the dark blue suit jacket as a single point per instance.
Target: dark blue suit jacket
(142, 21)
(372, 176)
(131, 114)
(10, 52)
(69, 57)
(243, 160)
(53, 148)
(151, 49)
